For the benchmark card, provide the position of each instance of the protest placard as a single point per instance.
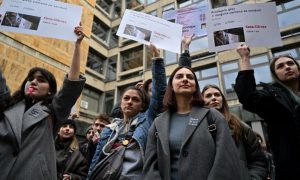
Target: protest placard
(192, 18)
(255, 24)
(145, 28)
(39, 17)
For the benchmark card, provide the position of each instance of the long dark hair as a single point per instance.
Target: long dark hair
(170, 99)
(233, 120)
(19, 95)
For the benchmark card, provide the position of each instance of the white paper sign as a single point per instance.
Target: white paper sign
(192, 18)
(145, 28)
(255, 24)
(39, 17)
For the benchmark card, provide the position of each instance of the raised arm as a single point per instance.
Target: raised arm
(75, 65)
(4, 92)
(184, 59)
(158, 84)
(72, 85)
(244, 52)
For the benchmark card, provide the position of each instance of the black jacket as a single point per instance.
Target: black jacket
(252, 157)
(274, 104)
(70, 161)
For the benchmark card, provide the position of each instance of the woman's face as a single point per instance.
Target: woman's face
(286, 69)
(184, 82)
(37, 86)
(66, 131)
(131, 103)
(213, 98)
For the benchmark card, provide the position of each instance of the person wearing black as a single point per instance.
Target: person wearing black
(71, 164)
(278, 104)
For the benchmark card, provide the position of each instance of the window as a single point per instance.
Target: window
(132, 4)
(111, 7)
(209, 75)
(90, 100)
(151, 1)
(132, 58)
(114, 39)
(288, 13)
(199, 44)
(168, 7)
(170, 57)
(109, 101)
(218, 3)
(100, 29)
(153, 13)
(111, 68)
(261, 67)
(95, 61)
(230, 71)
(184, 3)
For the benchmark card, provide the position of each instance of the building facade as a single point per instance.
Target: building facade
(111, 63)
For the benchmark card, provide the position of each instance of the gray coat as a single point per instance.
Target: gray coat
(200, 157)
(26, 138)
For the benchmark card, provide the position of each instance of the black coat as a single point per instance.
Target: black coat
(274, 104)
(70, 161)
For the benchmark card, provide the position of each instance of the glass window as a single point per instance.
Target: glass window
(230, 66)
(288, 13)
(218, 3)
(153, 13)
(114, 39)
(208, 75)
(117, 10)
(100, 29)
(151, 1)
(131, 4)
(168, 7)
(105, 5)
(91, 99)
(132, 58)
(95, 61)
(199, 44)
(229, 80)
(170, 57)
(259, 59)
(111, 68)
(109, 101)
(262, 74)
(208, 72)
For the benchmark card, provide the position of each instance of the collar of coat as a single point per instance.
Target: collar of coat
(20, 122)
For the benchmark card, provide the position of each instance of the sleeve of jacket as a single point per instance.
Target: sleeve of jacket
(256, 160)
(225, 151)
(252, 99)
(67, 97)
(4, 91)
(185, 60)
(150, 169)
(158, 89)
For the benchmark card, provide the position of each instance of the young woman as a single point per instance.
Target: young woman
(132, 130)
(252, 158)
(180, 144)
(71, 164)
(29, 116)
(279, 105)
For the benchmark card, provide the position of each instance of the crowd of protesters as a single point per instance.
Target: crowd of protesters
(158, 130)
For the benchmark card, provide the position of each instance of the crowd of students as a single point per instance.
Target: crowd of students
(158, 130)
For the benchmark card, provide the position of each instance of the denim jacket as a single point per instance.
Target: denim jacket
(145, 119)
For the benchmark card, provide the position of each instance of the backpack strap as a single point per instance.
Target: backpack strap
(212, 128)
